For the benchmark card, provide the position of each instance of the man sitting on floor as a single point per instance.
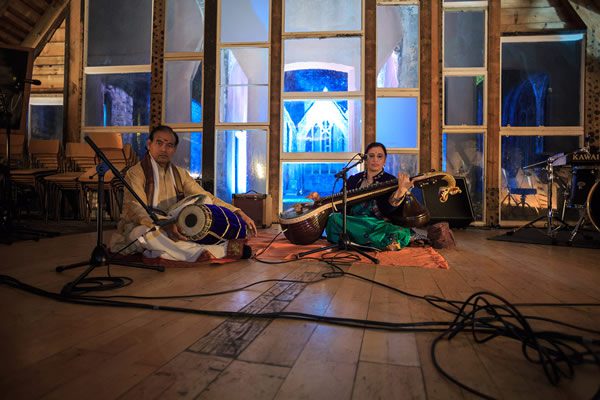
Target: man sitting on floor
(160, 184)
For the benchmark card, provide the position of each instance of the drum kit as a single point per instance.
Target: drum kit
(582, 194)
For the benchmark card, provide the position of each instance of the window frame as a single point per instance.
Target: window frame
(577, 131)
(468, 72)
(113, 69)
(319, 157)
(403, 92)
(228, 126)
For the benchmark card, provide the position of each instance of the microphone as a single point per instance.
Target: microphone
(35, 82)
(363, 156)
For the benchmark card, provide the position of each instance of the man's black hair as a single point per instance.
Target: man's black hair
(164, 128)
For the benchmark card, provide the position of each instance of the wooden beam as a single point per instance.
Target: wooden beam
(573, 18)
(209, 107)
(157, 62)
(8, 35)
(74, 71)
(425, 107)
(492, 166)
(25, 13)
(275, 107)
(370, 71)
(17, 23)
(46, 26)
(3, 6)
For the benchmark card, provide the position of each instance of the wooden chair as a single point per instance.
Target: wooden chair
(44, 158)
(78, 158)
(112, 146)
(17, 147)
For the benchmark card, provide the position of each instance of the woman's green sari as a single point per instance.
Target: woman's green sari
(364, 228)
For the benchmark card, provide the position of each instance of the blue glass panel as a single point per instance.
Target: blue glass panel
(244, 21)
(322, 126)
(397, 121)
(241, 162)
(183, 89)
(322, 15)
(464, 38)
(331, 64)
(462, 155)
(119, 32)
(541, 83)
(398, 46)
(524, 189)
(117, 99)
(300, 179)
(46, 121)
(406, 163)
(463, 102)
(316, 80)
(184, 30)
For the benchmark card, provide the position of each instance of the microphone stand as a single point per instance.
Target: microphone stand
(100, 256)
(344, 242)
(551, 229)
(8, 230)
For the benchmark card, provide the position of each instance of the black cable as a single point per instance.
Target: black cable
(557, 353)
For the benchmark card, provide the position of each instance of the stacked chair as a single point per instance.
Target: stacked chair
(44, 159)
(112, 146)
(79, 157)
(17, 154)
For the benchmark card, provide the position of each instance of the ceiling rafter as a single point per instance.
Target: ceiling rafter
(46, 26)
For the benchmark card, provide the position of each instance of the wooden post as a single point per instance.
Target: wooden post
(493, 121)
(436, 86)
(73, 72)
(209, 108)
(158, 61)
(275, 105)
(591, 123)
(370, 71)
(428, 41)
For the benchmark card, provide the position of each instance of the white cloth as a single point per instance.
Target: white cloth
(156, 244)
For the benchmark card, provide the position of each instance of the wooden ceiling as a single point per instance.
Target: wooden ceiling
(30, 23)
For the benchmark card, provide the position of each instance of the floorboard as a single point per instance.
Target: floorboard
(56, 350)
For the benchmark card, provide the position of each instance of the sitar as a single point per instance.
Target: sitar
(304, 223)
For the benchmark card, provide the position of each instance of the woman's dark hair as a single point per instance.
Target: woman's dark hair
(376, 144)
(164, 128)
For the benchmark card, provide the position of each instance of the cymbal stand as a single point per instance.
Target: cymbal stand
(551, 219)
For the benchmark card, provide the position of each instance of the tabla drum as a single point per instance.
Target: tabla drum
(583, 180)
(593, 206)
(210, 224)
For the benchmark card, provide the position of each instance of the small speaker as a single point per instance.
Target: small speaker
(257, 206)
(457, 211)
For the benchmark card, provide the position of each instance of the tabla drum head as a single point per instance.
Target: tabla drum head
(193, 222)
(593, 206)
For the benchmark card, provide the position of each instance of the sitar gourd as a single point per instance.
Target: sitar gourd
(304, 223)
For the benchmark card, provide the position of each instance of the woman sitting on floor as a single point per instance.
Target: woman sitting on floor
(367, 222)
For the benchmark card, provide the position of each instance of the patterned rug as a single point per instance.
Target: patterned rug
(283, 249)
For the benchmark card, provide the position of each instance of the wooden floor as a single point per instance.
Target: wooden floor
(63, 351)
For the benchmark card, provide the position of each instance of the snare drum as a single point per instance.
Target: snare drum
(210, 224)
(581, 184)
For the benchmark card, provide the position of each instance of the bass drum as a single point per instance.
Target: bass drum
(593, 206)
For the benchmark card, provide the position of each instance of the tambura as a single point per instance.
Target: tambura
(583, 180)
(209, 224)
(593, 206)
